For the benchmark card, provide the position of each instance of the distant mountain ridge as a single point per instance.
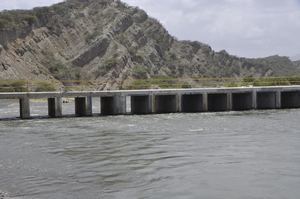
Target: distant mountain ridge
(295, 58)
(113, 43)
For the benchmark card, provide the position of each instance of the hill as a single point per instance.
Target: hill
(112, 43)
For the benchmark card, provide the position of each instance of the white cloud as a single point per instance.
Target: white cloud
(252, 28)
(25, 4)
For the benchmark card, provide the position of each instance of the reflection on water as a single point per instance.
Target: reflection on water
(224, 155)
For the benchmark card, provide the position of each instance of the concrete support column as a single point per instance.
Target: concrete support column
(278, 99)
(59, 103)
(55, 107)
(229, 101)
(179, 103)
(120, 104)
(89, 106)
(24, 108)
(152, 101)
(205, 102)
(254, 99)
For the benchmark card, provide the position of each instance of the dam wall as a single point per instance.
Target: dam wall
(159, 101)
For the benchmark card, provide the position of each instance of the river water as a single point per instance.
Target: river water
(249, 155)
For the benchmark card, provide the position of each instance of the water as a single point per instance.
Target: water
(248, 155)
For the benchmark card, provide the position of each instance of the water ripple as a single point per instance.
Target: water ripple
(231, 155)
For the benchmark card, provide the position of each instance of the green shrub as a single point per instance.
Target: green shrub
(17, 19)
(3, 23)
(294, 80)
(30, 19)
(271, 81)
(110, 63)
(107, 66)
(6, 89)
(248, 79)
(13, 86)
(90, 37)
(44, 87)
(59, 69)
(231, 84)
(19, 86)
(186, 85)
(139, 72)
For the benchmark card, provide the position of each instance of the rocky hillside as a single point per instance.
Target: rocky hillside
(297, 63)
(112, 43)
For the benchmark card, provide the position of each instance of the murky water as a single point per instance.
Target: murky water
(248, 155)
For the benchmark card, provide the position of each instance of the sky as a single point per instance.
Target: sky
(248, 28)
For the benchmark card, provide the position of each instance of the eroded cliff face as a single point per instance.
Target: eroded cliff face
(112, 43)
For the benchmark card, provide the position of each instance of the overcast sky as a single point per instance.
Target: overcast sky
(252, 28)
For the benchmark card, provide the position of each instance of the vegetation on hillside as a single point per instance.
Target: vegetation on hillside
(14, 19)
(60, 70)
(26, 86)
(140, 72)
(150, 83)
(169, 82)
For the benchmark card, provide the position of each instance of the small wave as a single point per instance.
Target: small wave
(196, 130)
(3, 195)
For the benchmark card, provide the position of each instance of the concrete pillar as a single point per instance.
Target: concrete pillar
(278, 99)
(141, 104)
(59, 103)
(55, 107)
(24, 108)
(217, 102)
(80, 106)
(192, 103)
(120, 104)
(242, 101)
(152, 101)
(179, 103)
(205, 102)
(166, 104)
(266, 100)
(254, 99)
(89, 106)
(229, 102)
(115, 105)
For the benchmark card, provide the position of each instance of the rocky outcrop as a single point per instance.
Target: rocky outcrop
(98, 49)
(112, 43)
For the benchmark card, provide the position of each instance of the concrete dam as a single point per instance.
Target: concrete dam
(157, 101)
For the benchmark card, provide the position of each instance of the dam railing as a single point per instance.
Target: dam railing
(157, 101)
